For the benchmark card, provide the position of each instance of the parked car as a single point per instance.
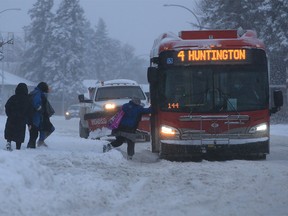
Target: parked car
(72, 111)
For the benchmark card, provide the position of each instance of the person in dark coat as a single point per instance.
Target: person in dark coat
(126, 131)
(19, 113)
(41, 116)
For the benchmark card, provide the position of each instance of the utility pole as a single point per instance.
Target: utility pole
(9, 40)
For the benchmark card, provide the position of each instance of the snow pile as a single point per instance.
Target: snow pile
(73, 177)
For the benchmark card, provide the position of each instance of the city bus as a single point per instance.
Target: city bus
(209, 92)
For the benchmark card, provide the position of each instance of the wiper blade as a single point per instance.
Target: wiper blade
(228, 101)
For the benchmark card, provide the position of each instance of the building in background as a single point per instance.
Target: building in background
(9, 82)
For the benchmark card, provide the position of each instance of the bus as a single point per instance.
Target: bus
(209, 92)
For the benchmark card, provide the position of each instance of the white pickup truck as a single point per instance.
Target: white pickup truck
(105, 99)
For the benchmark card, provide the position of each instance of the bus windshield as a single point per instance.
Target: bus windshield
(220, 88)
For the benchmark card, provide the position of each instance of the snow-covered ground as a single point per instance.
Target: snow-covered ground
(72, 177)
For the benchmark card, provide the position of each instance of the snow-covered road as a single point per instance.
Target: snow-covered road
(73, 177)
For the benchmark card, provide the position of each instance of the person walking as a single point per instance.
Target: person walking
(41, 116)
(126, 131)
(19, 113)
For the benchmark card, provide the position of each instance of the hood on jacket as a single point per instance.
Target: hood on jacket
(21, 89)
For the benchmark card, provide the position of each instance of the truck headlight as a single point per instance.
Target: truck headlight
(259, 128)
(169, 132)
(109, 106)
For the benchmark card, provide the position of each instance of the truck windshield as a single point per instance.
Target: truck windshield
(119, 92)
(221, 88)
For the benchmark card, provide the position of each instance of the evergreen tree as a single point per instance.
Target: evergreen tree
(275, 33)
(131, 66)
(102, 56)
(223, 14)
(38, 39)
(89, 52)
(112, 60)
(63, 50)
(66, 56)
(267, 18)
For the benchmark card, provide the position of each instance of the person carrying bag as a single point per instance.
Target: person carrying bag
(126, 131)
(41, 116)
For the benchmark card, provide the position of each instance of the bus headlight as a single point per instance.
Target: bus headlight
(169, 132)
(109, 106)
(259, 128)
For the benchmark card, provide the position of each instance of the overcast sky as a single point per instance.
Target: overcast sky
(136, 22)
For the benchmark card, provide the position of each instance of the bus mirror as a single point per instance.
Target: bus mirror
(155, 60)
(278, 98)
(152, 74)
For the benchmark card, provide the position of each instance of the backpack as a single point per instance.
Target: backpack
(49, 109)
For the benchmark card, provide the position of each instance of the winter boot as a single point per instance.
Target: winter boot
(41, 143)
(31, 145)
(107, 147)
(8, 146)
(18, 145)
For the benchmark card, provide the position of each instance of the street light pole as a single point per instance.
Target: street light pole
(177, 5)
(10, 9)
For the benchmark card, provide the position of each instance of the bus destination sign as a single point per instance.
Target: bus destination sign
(216, 56)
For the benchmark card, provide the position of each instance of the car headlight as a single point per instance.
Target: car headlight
(67, 113)
(169, 132)
(109, 106)
(259, 128)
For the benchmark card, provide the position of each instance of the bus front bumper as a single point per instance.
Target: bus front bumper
(214, 149)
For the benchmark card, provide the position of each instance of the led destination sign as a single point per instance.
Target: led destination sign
(212, 55)
(217, 56)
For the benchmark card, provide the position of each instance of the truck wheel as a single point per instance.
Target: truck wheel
(83, 132)
(147, 137)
